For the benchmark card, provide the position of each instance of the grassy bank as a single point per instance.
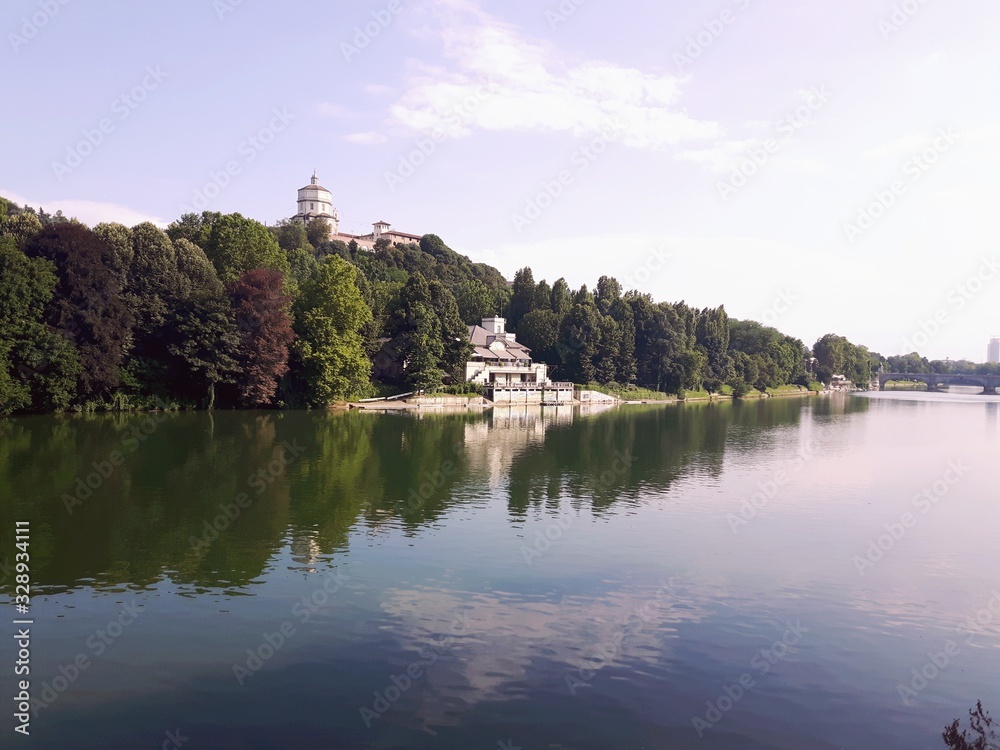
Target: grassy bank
(905, 385)
(628, 393)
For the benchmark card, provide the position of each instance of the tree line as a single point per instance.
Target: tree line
(221, 310)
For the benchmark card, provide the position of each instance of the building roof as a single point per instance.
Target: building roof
(394, 233)
(314, 183)
(480, 338)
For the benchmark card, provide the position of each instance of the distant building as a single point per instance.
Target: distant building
(316, 202)
(505, 367)
(993, 352)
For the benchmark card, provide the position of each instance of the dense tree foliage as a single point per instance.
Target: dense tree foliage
(220, 310)
(329, 317)
(38, 367)
(835, 355)
(87, 306)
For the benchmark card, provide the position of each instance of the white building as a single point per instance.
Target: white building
(505, 367)
(316, 202)
(993, 352)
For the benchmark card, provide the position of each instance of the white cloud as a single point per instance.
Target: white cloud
(496, 79)
(89, 212)
(720, 157)
(901, 147)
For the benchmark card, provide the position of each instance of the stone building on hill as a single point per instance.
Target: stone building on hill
(316, 202)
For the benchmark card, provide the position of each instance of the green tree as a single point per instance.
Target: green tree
(522, 300)
(539, 332)
(475, 302)
(417, 336)
(38, 367)
(456, 349)
(561, 299)
(329, 315)
(20, 226)
(87, 306)
(660, 343)
(318, 232)
(236, 244)
(579, 341)
(543, 296)
(201, 327)
(607, 292)
(835, 355)
(291, 235)
(194, 227)
(712, 335)
(608, 348)
(625, 358)
(118, 238)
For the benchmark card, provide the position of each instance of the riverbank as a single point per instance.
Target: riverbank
(462, 403)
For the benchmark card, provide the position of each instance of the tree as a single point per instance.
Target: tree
(329, 313)
(454, 333)
(543, 296)
(475, 302)
(87, 306)
(38, 367)
(539, 331)
(582, 296)
(522, 300)
(118, 238)
(579, 338)
(608, 347)
(21, 227)
(193, 227)
(625, 358)
(201, 327)
(153, 281)
(417, 335)
(776, 359)
(836, 355)
(318, 232)
(712, 335)
(236, 244)
(660, 343)
(607, 292)
(265, 330)
(562, 300)
(290, 234)
(694, 363)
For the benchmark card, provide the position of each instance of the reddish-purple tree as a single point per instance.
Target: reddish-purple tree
(265, 329)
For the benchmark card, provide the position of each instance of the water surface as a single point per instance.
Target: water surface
(751, 575)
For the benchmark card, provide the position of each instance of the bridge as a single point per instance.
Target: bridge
(935, 381)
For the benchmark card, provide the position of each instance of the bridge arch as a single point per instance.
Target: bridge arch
(988, 383)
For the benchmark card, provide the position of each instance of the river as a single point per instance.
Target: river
(790, 573)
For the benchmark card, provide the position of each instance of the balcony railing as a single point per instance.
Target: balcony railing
(518, 386)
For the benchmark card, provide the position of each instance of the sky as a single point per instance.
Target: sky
(820, 168)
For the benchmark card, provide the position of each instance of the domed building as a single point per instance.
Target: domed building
(316, 202)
